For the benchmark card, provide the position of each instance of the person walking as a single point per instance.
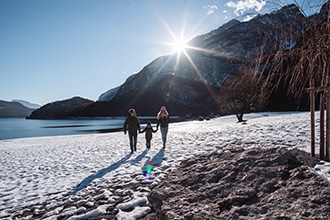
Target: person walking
(148, 130)
(132, 125)
(163, 118)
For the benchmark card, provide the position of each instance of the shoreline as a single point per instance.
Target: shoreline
(42, 169)
(13, 128)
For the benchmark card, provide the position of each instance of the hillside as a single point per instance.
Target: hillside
(27, 103)
(13, 110)
(190, 85)
(61, 109)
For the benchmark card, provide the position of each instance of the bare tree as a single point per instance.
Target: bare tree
(308, 60)
(307, 64)
(241, 94)
(292, 68)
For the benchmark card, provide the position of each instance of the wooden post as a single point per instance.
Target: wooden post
(322, 105)
(327, 134)
(312, 107)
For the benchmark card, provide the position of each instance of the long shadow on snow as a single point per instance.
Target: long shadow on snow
(140, 157)
(158, 158)
(83, 184)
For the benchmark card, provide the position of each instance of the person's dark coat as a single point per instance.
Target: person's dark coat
(132, 123)
(148, 132)
(163, 121)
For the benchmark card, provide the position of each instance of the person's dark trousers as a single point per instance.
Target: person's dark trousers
(132, 140)
(148, 143)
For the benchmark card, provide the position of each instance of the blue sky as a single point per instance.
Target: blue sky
(55, 49)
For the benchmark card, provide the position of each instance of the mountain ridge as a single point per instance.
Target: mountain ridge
(190, 85)
(61, 109)
(27, 103)
(221, 54)
(14, 110)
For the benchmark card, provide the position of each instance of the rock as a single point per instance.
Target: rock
(243, 183)
(155, 199)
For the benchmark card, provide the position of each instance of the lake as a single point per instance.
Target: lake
(20, 128)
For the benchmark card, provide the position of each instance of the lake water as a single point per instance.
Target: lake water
(20, 128)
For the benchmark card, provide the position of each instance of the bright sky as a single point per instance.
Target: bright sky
(55, 49)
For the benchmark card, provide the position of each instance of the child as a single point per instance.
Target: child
(149, 130)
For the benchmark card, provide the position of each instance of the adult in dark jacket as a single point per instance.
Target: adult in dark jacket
(148, 130)
(163, 118)
(132, 125)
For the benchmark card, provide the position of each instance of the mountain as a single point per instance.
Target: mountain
(190, 85)
(27, 104)
(13, 110)
(61, 109)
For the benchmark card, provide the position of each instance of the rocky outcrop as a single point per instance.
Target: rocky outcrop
(263, 34)
(13, 110)
(243, 184)
(61, 109)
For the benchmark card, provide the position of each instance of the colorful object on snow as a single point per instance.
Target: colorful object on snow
(149, 167)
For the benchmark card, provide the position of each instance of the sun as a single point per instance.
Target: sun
(179, 45)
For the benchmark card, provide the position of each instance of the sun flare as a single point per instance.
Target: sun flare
(179, 45)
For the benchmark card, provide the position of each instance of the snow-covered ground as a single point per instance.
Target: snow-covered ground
(34, 170)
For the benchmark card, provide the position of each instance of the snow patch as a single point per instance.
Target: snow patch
(38, 175)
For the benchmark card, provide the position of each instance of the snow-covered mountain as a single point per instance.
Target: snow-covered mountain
(190, 84)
